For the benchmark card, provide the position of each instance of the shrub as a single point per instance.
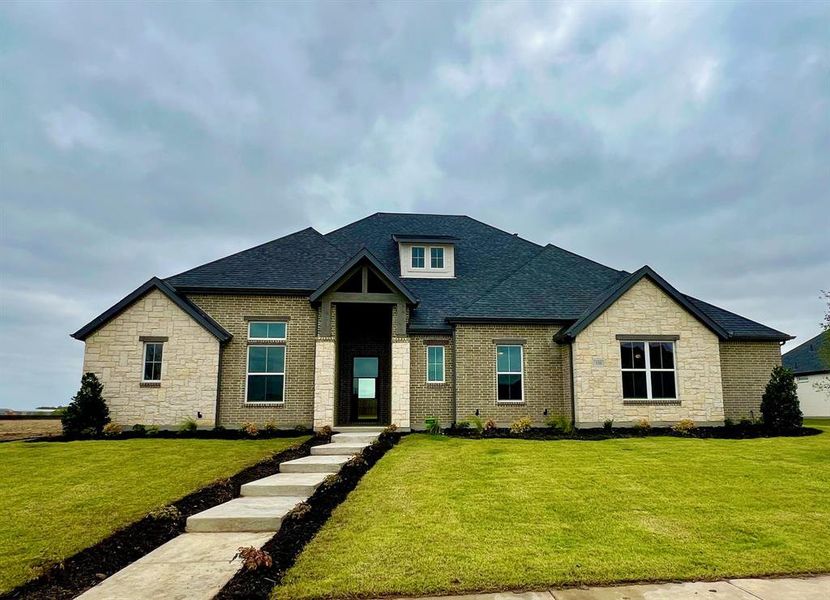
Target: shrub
(87, 413)
(152, 430)
(325, 431)
(248, 428)
(684, 427)
(727, 422)
(642, 425)
(490, 425)
(560, 424)
(521, 425)
(301, 428)
(188, 426)
(779, 404)
(300, 510)
(393, 427)
(166, 513)
(608, 425)
(433, 426)
(462, 425)
(271, 426)
(253, 558)
(478, 424)
(112, 429)
(139, 429)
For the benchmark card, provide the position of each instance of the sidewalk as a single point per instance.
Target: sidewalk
(807, 588)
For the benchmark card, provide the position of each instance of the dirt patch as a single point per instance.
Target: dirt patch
(303, 523)
(88, 567)
(22, 429)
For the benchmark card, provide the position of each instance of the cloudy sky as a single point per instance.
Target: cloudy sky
(144, 139)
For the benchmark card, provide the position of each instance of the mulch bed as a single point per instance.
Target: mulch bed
(217, 433)
(303, 523)
(736, 432)
(89, 566)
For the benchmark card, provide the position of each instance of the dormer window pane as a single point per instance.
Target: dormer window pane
(436, 258)
(417, 257)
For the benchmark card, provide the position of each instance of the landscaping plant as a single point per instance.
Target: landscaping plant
(779, 404)
(478, 424)
(112, 429)
(433, 426)
(490, 425)
(253, 558)
(521, 425)
(559, 424)
(188, 426)
(87, 414)
(271, 426)
(642, 425)
(249, 429)
(684, 427)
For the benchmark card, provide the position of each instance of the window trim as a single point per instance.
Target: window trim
(443, 364)
(144, 361)
(521, 372)
(267, 339)
(248, 373)
(412, 266)
(648, 370)
(432, 258)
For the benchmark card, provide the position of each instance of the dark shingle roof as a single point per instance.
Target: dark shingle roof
(805, 358)
(297, 262)
(737, 326)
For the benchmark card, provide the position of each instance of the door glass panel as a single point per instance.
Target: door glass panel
(366, 367)
(366, 387)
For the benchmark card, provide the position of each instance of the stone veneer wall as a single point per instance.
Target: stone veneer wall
(230, 311)
(430, 399)
(646, 310)
(188, 372)
(746, 368)
(400, 415)
(325, 369)
(544, 372)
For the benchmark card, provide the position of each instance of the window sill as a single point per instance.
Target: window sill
(652, 402)
(436, 382)
(510, 401)
(264, 403)
(265, 342)
(150, 384)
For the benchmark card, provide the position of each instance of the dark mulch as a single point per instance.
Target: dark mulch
(89, 566)
(217, 433)
(302, 524)
(736, 432)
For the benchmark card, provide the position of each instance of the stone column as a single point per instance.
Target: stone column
(400, 382)
(324, 365)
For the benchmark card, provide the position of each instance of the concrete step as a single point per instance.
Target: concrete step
(333, 449)
(244, 514)
(315, 464)
(354, 437)
(285, 484)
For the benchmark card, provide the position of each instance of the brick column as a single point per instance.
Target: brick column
(324, 364)
(400, 382)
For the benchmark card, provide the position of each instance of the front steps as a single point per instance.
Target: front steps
(315, 464)
(254, 513)
(286, 484)
(349, 449)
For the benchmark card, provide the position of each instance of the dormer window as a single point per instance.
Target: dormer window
(427, 256)
(417, 257)
(436, 258)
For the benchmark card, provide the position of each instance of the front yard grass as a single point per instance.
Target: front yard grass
(58, 498)
(440, 515)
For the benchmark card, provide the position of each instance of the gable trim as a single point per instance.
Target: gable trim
(363, 254)
(193, 311)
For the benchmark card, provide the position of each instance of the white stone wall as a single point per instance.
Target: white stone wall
(400, 382)
(324, 382)
(190, 364)
(646, 310)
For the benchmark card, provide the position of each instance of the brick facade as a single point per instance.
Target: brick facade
(544, 381)
(189, 365)
(430, 400)
(230, 311)
(746, 368)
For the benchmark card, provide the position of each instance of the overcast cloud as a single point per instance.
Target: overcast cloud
(144, 139)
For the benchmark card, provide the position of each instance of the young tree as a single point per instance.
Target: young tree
(823, 385)
(87, 413)
(779, 404)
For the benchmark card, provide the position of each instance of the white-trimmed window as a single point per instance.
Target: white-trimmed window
(648, 370)
(435, 364)
(418, 255)
(152, 362)
(436, 258)
(509, 375)
(267, 330)
(266, 374)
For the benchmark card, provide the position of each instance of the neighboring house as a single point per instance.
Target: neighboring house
(810, 369)
(397, 318)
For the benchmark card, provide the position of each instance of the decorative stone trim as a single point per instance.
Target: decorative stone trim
(647, 338)
(266, 342)
(150, 384)
(400, 382)
(265, 318)
(324, 382)
(153, 338)
(651, 402)
(514, 341)
(436, 342)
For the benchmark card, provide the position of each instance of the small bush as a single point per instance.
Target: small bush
(166, 513)
(684, 427)
(324, 432)
(188, 426)
(478, 424)
(392, 428)
(490, 425)
(728, 423)
(559, 424)
(139, 429)
(608, 425)
(271, 426)
(356, 461)
(301, 428)
(87, 413)
(521, 425)
(253, 558)
(433, 426)
(249, 429)
(152, 430)
(779, 404)
(300, 510)
(642, 425)
(462, 425)
(112, 429)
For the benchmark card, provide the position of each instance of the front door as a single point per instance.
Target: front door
(365, 388)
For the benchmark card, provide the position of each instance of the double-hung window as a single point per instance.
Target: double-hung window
(418, 253)
(152, 362)
(436, 258)
(266, 362)
(509, 373)
(435, 364)
(648, 370)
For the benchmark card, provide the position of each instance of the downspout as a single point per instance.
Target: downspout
(573, 387)
(218, 387)
(454, 377)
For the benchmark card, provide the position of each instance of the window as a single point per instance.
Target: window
(509, 373)
(417, 257)
(266, 374)
(435, 364)
(803, 378)
(152, 361)
(261, 330)
(436, 258)
(648, 370)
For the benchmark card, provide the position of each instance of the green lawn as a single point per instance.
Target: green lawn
(58, 498)
(440, 515)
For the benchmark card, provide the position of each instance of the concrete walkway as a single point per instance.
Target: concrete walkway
(807, 588)
(198, 563)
